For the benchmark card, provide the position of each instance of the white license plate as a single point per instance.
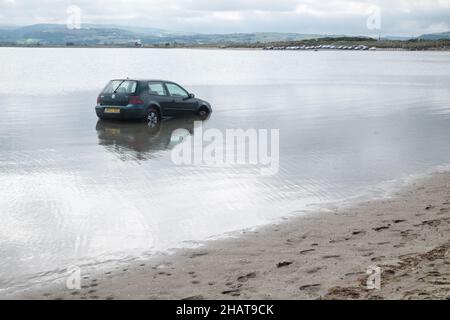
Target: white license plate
(112, 110)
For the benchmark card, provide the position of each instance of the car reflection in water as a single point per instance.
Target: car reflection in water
(139, 141)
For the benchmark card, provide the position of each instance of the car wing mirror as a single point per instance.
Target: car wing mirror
(190, 96)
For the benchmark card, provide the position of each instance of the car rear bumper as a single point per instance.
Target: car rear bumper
(129, 112)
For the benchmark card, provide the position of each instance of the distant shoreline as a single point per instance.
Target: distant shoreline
(328, 43)
(236, 48)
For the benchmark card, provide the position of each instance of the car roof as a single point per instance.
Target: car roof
(141, 80)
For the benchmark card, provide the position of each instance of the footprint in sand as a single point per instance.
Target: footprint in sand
(378, 229)
(198, 254)
(199, 297)
(341, 239)
(310, 287)
(233, 292)
(409, 234)
(234, 289)
(284, 264)
(245, 278)
(431, 223)
(378, 259)
(331, 257)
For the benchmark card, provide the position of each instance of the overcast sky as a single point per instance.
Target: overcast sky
(398, 17)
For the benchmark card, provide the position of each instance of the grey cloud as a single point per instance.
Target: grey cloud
(240, 5)
(402, 17)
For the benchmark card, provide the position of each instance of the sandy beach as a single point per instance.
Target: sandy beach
(321, 256)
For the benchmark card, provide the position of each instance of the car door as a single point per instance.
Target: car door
(182, 103)
(157, 92)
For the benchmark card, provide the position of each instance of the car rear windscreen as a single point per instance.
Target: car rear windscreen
(121, 86)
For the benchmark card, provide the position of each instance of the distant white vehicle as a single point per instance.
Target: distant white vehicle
(373, 49)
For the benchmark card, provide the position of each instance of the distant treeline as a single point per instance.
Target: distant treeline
(412, 44)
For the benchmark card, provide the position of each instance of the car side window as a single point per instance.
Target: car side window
(176, 91)
(156, 89)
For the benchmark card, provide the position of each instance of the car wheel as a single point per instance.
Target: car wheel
(203, 113)
(153, 118)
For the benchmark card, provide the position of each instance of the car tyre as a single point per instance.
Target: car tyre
(153, 118)
(203, 113)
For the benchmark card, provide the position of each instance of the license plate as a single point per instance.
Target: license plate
(112, 110)
(112, 131)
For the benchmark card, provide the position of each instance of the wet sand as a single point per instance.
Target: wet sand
(321, 256)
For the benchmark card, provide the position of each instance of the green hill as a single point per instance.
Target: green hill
(436, 36)
(90, 34)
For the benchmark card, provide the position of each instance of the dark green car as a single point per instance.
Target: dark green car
(149, 100)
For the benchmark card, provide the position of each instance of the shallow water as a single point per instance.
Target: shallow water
(73, 189)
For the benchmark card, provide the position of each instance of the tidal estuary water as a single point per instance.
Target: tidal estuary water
(74, 190)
